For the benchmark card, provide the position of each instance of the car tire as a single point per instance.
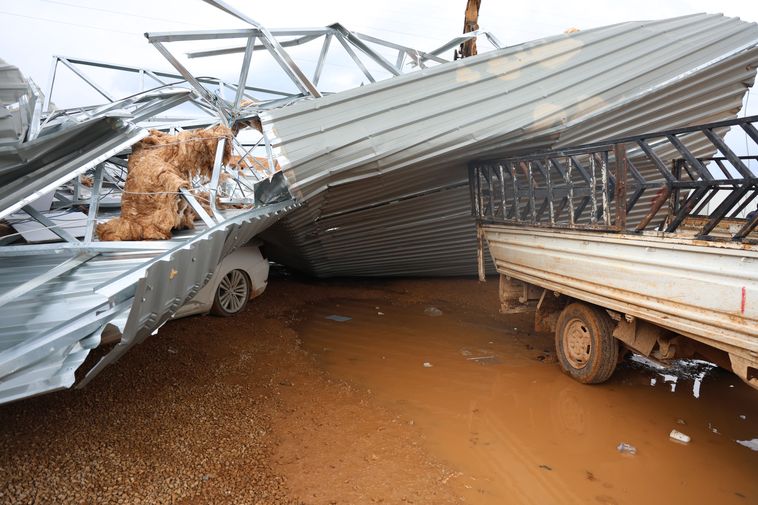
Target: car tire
(584, 343)
(232, 294)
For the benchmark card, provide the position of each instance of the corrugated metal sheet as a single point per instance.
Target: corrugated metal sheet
(46, 334)
(43, 164)
(358, 157)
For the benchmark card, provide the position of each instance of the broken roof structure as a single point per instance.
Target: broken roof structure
(372, 181)
(381, 169)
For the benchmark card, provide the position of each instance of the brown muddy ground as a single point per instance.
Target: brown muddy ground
(283, 405)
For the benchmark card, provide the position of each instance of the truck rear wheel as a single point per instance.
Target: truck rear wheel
(584, 343)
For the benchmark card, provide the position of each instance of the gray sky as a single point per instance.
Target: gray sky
(34, 30)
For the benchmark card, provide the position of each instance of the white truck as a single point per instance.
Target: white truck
(644, 244)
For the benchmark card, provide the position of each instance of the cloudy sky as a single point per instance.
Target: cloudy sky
(34, 30)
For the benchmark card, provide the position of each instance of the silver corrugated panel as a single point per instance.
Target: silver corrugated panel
(16, 104)
(46, 333)
(395, 143)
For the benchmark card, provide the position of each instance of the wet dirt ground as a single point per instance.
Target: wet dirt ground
(492, 404)
(418, 391)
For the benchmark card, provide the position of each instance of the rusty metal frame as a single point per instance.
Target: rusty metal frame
(554, 189)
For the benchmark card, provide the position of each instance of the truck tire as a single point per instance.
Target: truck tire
(584, 343)
(232, 294)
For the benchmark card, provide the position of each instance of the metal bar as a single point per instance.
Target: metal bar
(744, 204)
(472, 174)
(355, 58)
(357, 42)
(207, 95)
(241, 49)
(570, 197)
(580, 209)
(676, 169)
(549, 192)
(493, 40)
(94, 204)
(86, 79)
(400, 59)
(721, 211)
(745, 230)
(581, 169)
(199, 210)
(480, 252)
(705, 201)
(501, 172)
(621, 173)
(480, 197)
(733, 158)
(51, 83)
(321, 59)
(604, 176)
(400, 48)
(215, 176)
(686, 209)
(663, 193)
(454, 42)
(593, 192)
(41, 279)
(723, 169)
(662, 168)
(91, 248)
(491, 185)
(279, 54)
(244, 71)
(751, 131)
(693, 161)
(633, 200)
(514, 208)
(530, 189)
(50, 225)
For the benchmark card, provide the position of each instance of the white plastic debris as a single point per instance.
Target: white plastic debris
(432, 311)
(427, 364)
(750, 444)
(743, 416)
(380, 313)
(625, 448)
(678, 436)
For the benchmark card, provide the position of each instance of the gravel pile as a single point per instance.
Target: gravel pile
(167, 424)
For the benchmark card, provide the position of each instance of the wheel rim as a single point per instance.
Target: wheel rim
(577, 343)
(233, 291)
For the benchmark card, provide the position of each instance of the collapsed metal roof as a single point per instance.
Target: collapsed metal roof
(382, 168)
(378, 173)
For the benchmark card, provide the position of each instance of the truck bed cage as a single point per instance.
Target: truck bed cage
(684, 181)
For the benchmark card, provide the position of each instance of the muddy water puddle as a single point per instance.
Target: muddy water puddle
(493, 406)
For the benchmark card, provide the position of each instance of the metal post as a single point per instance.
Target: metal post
(620, 197)
(593, 188)
(570, 184)
(480, 252)
(94, 204)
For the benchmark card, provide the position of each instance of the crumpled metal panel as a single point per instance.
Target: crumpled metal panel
(371, 146)
(46, 334)
(34, 168)
(17, 102)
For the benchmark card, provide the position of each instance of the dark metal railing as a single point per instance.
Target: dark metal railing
(680, 180)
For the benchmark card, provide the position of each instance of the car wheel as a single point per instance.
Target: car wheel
(585, 345)
(232, 294)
